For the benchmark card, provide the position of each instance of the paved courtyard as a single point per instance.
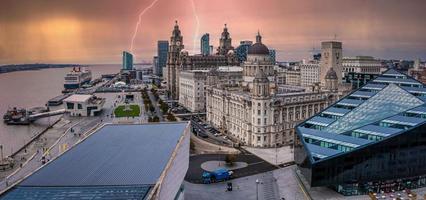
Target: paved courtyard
(275, 156)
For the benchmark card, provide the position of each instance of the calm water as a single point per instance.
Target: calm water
(32, 89)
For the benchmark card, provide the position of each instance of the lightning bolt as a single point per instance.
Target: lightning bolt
(139, 22)
(197, 28)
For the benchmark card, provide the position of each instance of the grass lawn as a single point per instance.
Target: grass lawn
(134, 111)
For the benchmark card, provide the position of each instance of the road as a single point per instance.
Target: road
(155, 104)
(214, 139)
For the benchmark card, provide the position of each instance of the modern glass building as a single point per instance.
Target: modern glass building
(372, 140)
(205, 44)
(162, 51)
(127, 61)
(273, 54)
(242, 50)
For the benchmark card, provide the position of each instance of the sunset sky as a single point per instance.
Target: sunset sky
(96, 31)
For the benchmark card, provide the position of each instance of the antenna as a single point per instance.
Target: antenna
(335, 36)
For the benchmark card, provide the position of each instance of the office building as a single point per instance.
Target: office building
(155, 65)
(372, 140)
(137, 161)
(272, 54)
(162, 50)
(242, 50)
(205, 44)
(309, 73)
(257, 111)
(192, 84)
(127, 61)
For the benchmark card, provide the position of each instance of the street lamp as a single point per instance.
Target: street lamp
(257, 189)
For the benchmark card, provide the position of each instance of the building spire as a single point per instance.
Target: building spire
(258, 37)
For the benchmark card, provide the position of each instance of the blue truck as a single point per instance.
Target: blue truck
(221, 174)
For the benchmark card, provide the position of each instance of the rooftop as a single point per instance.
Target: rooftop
(390, 104)
(78, 98)
(125, 160)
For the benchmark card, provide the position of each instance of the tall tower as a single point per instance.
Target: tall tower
(173, 62)
(205, 44)
(261, 99)
(225, 43)
(331, 57)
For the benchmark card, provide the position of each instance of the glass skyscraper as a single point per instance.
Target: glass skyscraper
(127, 61)
(162, 51)
(205, 44)
(242, 50)
(372, 140)
(273, 54)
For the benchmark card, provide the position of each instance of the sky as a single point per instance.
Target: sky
(97, 31)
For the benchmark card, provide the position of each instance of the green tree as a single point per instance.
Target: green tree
(230, 159)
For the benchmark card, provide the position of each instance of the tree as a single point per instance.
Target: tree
(156, 119)
(191, 145)
(230, 159)
(171, 117)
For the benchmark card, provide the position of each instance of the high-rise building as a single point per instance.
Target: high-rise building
(242, 50)
(273, 53)
(127, 61)
(211, 49)
(205, 44)
(162, 50)
(331, 57)
(155, 65)
(370, 141)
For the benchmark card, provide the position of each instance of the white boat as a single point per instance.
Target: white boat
(77, 77)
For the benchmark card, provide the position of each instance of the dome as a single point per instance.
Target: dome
(258, 48)
(331, 74)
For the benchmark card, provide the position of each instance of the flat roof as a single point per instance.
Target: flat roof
(115, 157)
(78, 98)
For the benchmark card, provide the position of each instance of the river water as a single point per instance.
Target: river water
(29, 89)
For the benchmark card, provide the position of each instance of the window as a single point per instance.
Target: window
(79, 106)
(258, 112)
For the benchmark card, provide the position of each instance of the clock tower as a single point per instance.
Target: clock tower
(173, 62)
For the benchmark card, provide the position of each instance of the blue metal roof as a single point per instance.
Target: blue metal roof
(321, 121)
(392, 72)
(404, 120)
(87, 192)
(418, 110)
(378, 130)
(114, 155)
(363, 94)
(336, 111)
(420, 90)
(321, 152)
(373, 86)
(350, 102)
(332, 136)
(395, 80)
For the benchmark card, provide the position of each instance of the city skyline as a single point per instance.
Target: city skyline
(74, 32)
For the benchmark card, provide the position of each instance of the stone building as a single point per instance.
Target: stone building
(179, 59)
(255, 112)
(192, 85)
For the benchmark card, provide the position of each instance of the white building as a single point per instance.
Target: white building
(83, 105)
(258, 112)
(309, 74)
(362, 64)
(192, 85)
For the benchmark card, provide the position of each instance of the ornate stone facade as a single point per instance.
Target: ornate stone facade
(179, 59)
(255, 112)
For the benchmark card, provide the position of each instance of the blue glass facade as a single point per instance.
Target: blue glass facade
(205, 44)
(162, 51)
(127, 61)
(273, 55)
(372, 140)
(242, 50)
